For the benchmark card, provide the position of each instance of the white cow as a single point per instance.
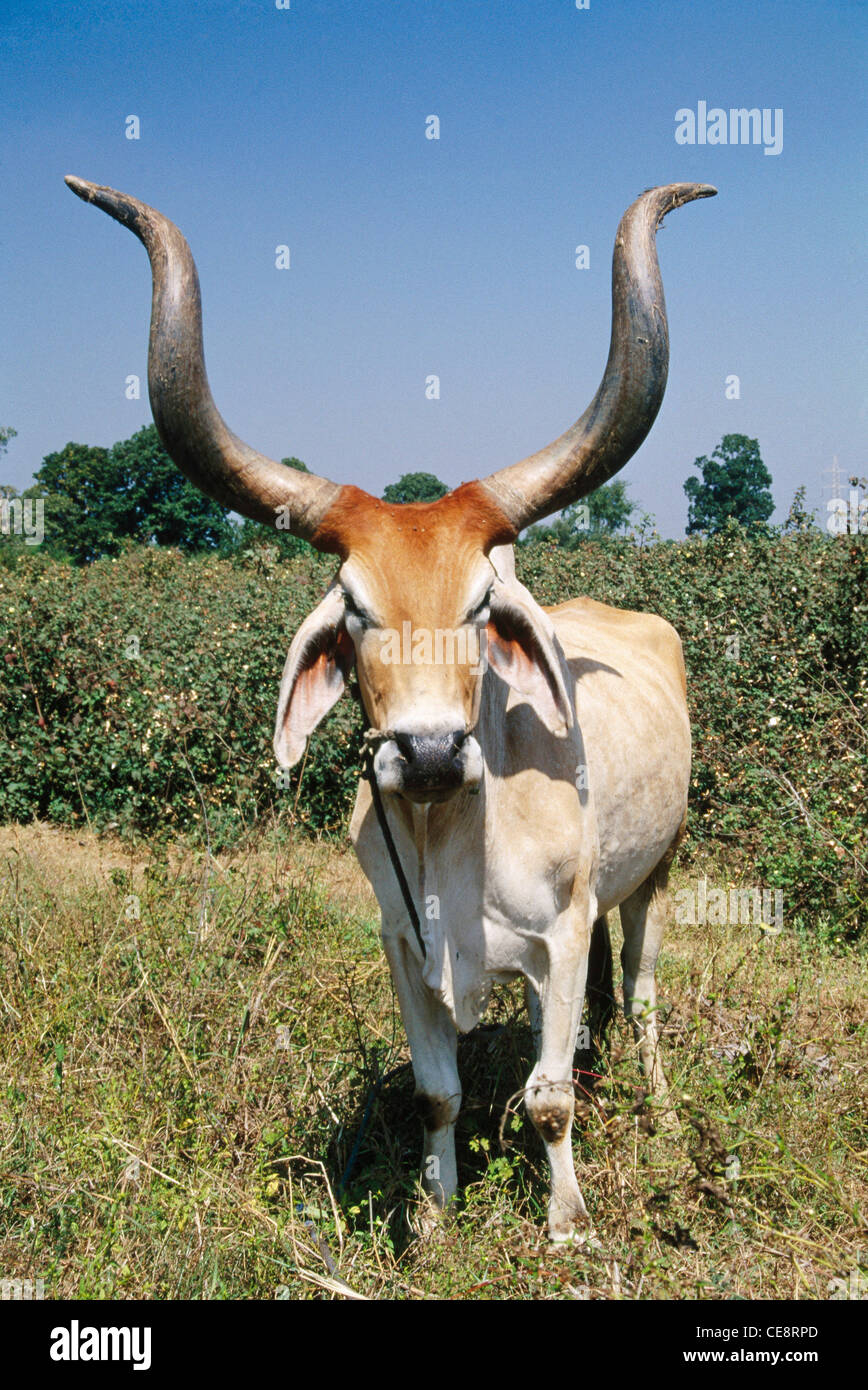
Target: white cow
(531, 766)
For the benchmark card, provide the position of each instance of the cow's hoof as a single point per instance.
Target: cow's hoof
(585, 1238)
(666, 1119)
(568, 1215)
(428, 1217)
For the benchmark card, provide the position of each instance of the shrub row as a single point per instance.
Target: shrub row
(139, 693)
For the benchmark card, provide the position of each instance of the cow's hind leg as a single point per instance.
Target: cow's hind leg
(433, 1049)
(643, 917)
(555, 1009)
(601, 988)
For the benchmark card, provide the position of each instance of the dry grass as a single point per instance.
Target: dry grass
(190, 1052)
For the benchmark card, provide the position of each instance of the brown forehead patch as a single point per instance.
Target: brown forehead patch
(357, 522)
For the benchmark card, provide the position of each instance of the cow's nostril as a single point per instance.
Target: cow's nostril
(407, 744)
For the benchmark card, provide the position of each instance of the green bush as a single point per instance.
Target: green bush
(93, 732)
(142, 686)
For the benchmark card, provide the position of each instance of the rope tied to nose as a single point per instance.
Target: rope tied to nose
(372, 738)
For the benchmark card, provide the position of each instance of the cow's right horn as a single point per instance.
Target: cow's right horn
(188, 421)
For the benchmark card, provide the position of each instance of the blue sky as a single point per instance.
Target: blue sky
(412, 257)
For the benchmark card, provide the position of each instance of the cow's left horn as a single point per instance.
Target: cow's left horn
(186, 417)
(629, 396)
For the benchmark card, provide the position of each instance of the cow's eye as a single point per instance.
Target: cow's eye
(354, 611)
(480, 610)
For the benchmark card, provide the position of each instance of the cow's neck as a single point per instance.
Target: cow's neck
(420, 838)
(425, 855)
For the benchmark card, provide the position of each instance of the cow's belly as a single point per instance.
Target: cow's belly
(637, 736)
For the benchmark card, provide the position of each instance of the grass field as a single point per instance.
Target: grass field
(207, 1094)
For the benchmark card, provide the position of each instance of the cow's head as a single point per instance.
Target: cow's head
(424, 601)
(426, 598)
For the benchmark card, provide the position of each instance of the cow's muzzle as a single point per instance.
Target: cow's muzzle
(428, 767)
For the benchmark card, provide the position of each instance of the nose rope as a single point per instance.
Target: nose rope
(377, 735)
(370, 738)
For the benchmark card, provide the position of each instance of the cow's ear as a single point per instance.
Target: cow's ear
(523, 650)
(314, 676)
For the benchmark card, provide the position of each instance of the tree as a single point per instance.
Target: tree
(610, 508)
(95, 497)
(415, 487)
(74, 484)
(6, 433)
(735, 485)
(155, 504)
(604, 512)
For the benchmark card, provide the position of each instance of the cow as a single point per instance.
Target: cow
(527, 769)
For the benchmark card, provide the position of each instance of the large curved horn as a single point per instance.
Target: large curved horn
(186, 417)
(629, 396)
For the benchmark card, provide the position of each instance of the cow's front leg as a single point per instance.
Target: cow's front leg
(433, 1048)
(555, 1001)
